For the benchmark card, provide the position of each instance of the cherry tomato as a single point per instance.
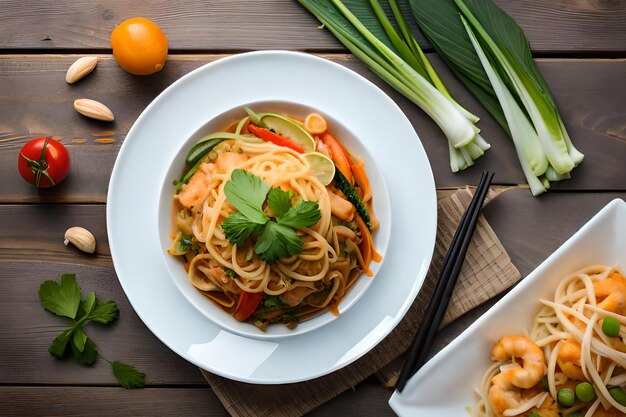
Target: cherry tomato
(43, 162)
(248, 302)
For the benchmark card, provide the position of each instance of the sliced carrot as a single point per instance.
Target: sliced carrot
(360, 176)
(315, 124)
(337, 154)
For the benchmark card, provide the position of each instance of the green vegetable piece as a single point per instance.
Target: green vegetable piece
(181, 245)
(201, 149)
(229, 273)
(87, 305)
(585, 392)
(78, 341)
(533, 414)
(247, 193)
(89, 354)
(279, 201)
(273, 302)
(573, 415)
(303, 214)
(286, 127)
(342, 183)
(61, 299)
(619, 395)
(611, 326)
(128, 376)
(544, 384)
(566, 397)
(276, 241)
(59, 347)
(104, 312)
(254, 118)
(238, 228)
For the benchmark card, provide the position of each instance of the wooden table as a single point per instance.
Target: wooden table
(580, 46)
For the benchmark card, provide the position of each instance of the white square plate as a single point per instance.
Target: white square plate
(445, 385)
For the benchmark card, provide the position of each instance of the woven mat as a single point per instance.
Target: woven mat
(486, 272)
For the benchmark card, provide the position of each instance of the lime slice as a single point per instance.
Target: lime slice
(288, 128)
(322, 165)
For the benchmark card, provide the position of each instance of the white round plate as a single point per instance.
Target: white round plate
(166, 126)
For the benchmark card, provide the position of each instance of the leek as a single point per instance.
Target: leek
(400, 62)
(489, 53)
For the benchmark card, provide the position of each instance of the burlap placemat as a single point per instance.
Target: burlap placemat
(486, 272)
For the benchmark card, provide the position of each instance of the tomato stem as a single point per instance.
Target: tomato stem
(40, 166)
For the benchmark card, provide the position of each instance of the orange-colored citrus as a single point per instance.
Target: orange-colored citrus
(139, 46)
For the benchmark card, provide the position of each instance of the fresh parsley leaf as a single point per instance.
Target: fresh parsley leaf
(247, 193)
(104, 312)
(61, 299)
(184, 243)
(64, 299)
(58, 349)
(238, 228)
(87, 305)
(279, 201)
(303, 214)
(89, 354)
(78, 341)
(277, 240)
(128, 376)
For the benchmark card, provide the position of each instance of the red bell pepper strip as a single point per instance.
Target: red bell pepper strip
(248, 302)
(269, 136)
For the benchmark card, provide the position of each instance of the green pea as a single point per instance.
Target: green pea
(618, 394)
(610, 326)
(585, 392)
(566, 397)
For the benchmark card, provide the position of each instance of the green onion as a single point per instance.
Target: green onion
(489, 53)
(371, 37)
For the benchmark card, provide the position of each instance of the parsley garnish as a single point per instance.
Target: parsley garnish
(64, 299)
(274, 237)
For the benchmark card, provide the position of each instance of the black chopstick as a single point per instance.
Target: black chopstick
(450, 270)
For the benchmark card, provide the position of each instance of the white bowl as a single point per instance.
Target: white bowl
(459, 367)
(177, 272)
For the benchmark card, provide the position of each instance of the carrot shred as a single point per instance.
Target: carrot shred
(337, 154)
(360, 176)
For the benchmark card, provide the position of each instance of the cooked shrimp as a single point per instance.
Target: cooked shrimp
(228, 160)
(533, 361)
(503, 394)
(568, 360)
(611, 293)
(197, 189)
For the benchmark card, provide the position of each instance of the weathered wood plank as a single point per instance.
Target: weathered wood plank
(36, 101)
(32, 251)
(28, 331)
(368, 400)
(223, 25)
(530, 229)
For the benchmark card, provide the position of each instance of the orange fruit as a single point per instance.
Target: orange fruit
(139, 46)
